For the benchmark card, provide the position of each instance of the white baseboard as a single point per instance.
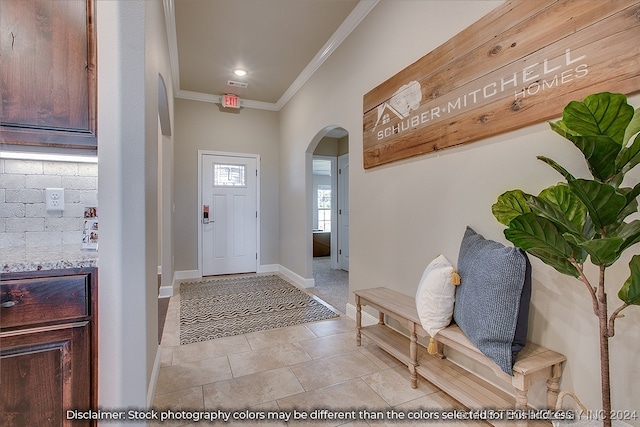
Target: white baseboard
(186, 275)
(367, 319)
(299, 280)
(165, 292)
(151, 391)
(269, 268)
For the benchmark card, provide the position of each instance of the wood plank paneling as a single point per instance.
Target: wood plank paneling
(519, 65)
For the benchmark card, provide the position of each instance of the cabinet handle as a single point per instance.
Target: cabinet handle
(8, 304)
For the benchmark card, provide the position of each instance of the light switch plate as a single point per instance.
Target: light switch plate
(54, 199)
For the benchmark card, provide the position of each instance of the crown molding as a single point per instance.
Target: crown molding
(356, 16)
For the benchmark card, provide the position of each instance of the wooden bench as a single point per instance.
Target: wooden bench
(534, 363)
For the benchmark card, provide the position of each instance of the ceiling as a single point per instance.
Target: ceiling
(280, 43)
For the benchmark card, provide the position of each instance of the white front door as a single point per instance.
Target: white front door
(228, 215)
(343, 212)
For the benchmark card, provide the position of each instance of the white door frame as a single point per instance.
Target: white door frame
(343, 191)
(199, 206)
(334, 206)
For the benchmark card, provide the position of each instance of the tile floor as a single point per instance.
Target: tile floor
(303, 368)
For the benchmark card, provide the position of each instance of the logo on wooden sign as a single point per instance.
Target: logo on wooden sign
(497, 83)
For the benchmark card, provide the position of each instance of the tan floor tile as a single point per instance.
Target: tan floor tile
(188, 400)
(267, 409)
(394, 387)
(209, 349)
(335, 326)
(172, 321)
(330, 345)
(348, 398)
(251, 390)
(271, 368)
(170, 337)
(380, 357)
(430, 409)
(166, 356)
(187, 375)
(273, 337)
(332, 370)
(263, 360)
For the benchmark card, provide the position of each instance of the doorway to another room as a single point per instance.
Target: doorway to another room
(330, 218)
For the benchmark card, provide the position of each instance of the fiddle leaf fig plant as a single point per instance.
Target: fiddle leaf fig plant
(584, 219)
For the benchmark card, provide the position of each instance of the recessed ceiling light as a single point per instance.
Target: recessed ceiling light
(240, 72)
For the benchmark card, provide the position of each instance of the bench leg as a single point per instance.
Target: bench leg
(413, 355)
(439, 350)
(380, 318)
(553, 389)
(521, 399)
(358, 321)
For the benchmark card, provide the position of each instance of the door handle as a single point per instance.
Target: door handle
(205, 214)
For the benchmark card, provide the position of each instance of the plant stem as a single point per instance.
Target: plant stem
(604, 351)
(613, 318)
(591, 289)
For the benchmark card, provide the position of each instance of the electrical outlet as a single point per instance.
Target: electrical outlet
(54, 199)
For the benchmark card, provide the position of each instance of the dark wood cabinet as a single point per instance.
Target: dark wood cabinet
(48, 346)
(48, 73)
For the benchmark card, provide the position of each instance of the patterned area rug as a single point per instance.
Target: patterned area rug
(216, 308)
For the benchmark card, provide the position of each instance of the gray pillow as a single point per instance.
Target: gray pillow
(492, 277)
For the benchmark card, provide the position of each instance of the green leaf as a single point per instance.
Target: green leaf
(548, 210)
(510, 205)
(599, 114)
(539, 237)
(630, 291)
(631, 194)
(629, 156)
(575, 240)
(602, 201)
(561, 129)
(632, 128)
(603, 252)
(601, 153)
(629, 232)
(557, 167)
(567, 206)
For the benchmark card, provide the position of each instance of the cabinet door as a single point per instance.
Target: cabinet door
(43, 374)
(48, 73)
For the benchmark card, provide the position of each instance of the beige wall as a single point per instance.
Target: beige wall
(202, 126)
(420, 207)
(327, 147)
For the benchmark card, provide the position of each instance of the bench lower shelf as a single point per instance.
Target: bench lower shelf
(471, 391)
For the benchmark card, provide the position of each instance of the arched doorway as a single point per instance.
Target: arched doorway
(328, 213)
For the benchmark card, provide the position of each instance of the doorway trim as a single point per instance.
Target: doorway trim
(202, 153)
(334, 206)
(343, 191)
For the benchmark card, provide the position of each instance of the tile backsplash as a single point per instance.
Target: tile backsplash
(24, 219)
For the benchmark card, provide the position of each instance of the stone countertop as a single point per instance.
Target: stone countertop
(15, 260)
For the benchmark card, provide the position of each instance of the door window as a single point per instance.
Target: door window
(227, 175)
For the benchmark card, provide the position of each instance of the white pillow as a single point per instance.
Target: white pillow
(435, 296)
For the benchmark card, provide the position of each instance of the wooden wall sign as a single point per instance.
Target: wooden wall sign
(518, 65)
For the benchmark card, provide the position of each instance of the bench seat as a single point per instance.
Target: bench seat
(534, 363)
